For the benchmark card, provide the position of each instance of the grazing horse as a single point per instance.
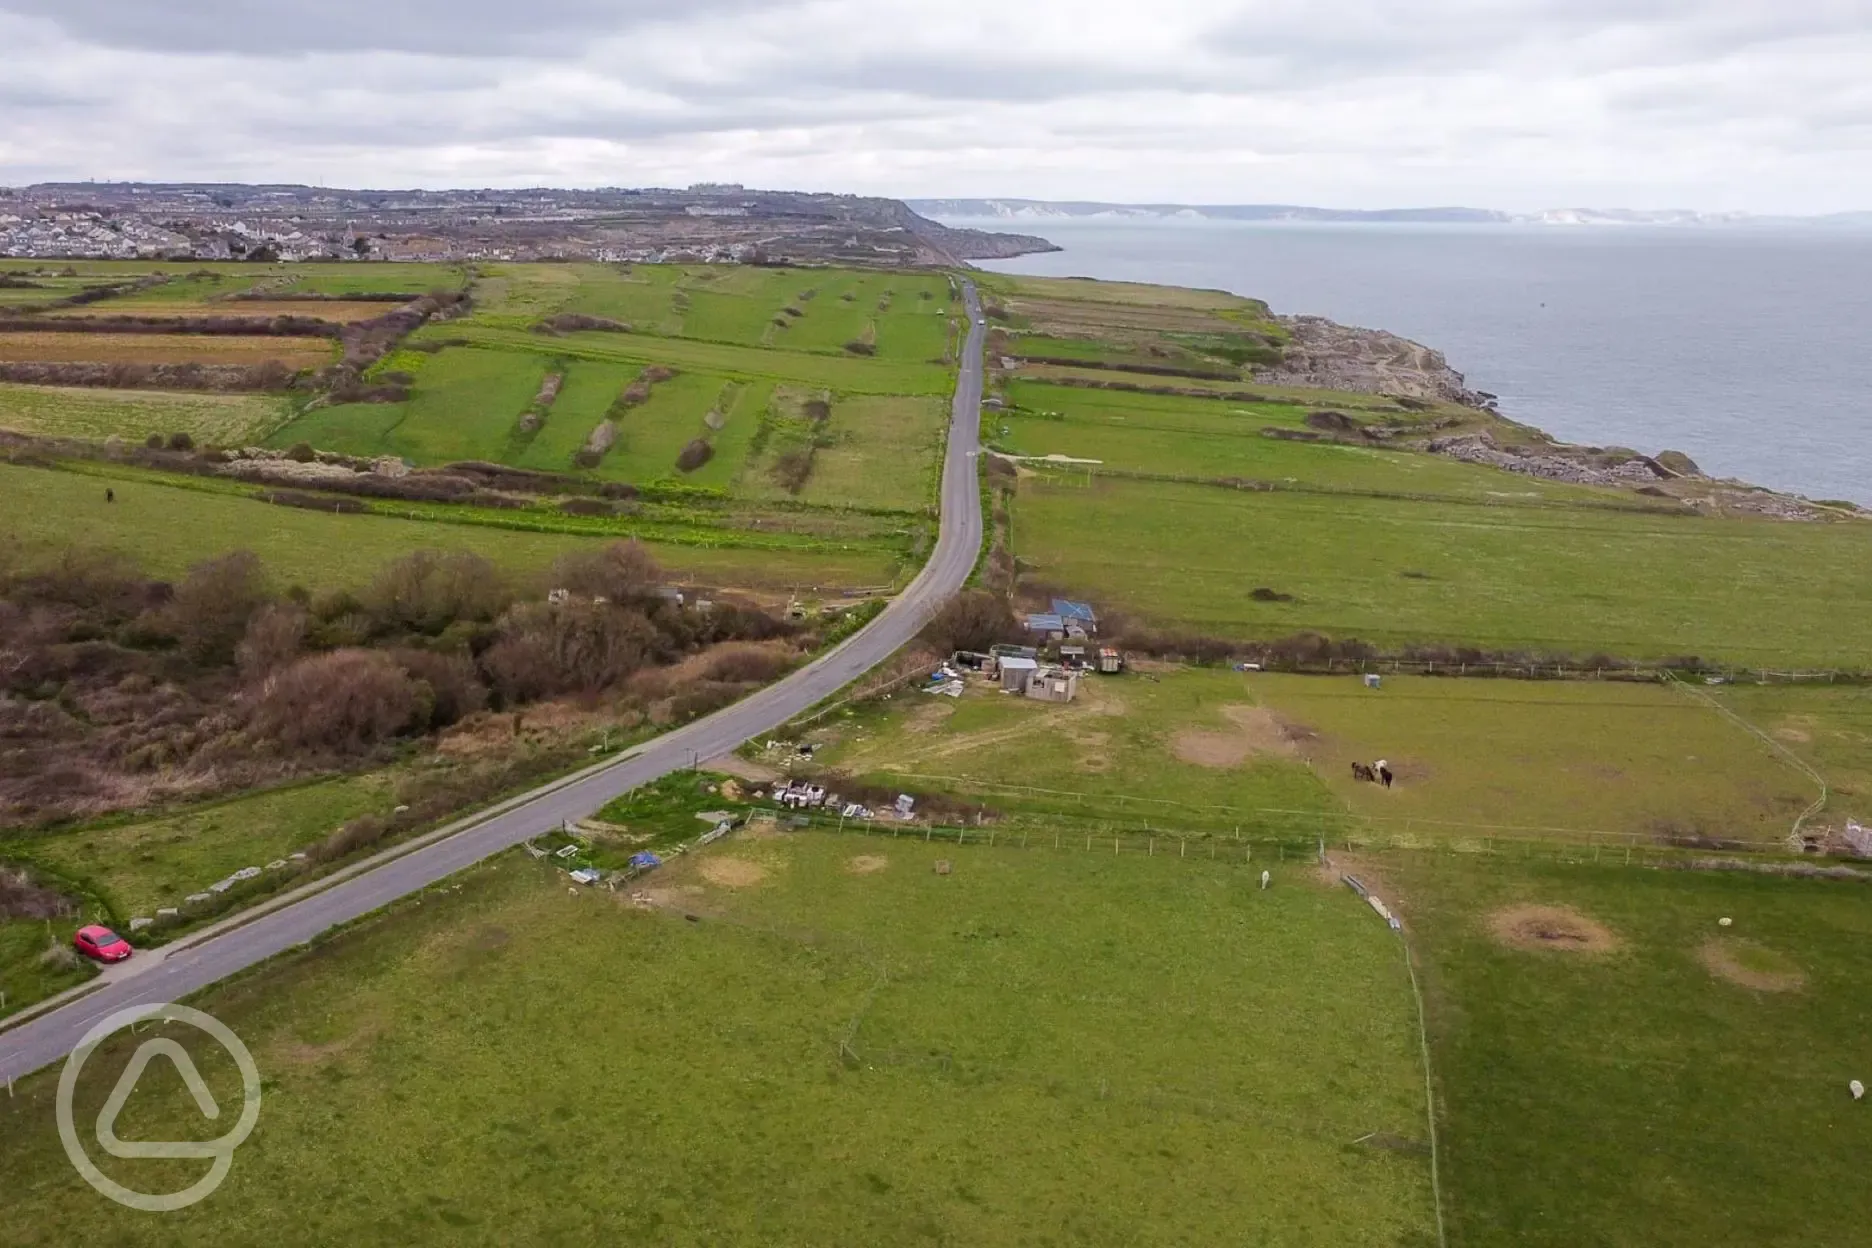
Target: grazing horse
(1361, 772)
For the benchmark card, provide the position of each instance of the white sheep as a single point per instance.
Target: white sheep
(1265, 877)
(1857, 1089)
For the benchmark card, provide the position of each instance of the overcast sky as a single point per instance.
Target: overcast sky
(1761, 105)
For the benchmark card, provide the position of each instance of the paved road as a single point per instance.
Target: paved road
(190, 967)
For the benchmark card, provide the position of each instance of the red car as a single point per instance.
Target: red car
(101, 943)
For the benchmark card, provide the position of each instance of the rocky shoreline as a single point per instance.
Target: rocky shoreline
(1323, 354)
(1326, 355)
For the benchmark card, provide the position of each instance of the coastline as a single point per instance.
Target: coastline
(1737, 347)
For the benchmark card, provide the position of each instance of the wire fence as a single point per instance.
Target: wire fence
(1154, 817)
(1263, 845)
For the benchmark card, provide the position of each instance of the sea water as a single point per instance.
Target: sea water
(1749, 349)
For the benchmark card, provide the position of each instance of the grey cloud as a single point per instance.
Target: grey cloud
(1492, 101)
(490, 28)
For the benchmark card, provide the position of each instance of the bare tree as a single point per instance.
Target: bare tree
(621, 572)
(275, 634)
(972, 620)
(213, 603)
(425, 591)
(344, 701)
(575, 647)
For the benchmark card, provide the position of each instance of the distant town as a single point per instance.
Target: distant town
(706, 223)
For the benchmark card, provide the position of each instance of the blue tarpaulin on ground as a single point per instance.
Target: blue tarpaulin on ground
(645, 860)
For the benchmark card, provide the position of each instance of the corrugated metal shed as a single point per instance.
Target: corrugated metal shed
(1045, 622)
(1013, 664)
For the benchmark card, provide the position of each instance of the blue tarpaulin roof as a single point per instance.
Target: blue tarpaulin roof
(1044, 622)
(1073, 610)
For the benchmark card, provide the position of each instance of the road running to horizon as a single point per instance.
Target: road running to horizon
(168, 975)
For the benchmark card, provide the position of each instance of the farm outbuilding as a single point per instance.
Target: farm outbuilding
(1046, 624)
(1017, 673)
(1053, 684)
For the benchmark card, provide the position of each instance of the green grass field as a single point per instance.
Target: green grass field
(166, 528)
(1477, 761)
(1038, 1047)
(1210, 439)
(1638, 763)
(97, 414)
(465, 406)
(873, 452)
(1501, 577)
(1180, 738)
(1830, 729)
(1636, 1097)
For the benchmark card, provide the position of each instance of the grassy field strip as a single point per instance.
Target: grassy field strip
(866, 376)
(681, 531)
(132, 415)
(75, 348)
(1600, 766)
(1558, 582)
(1351, 828)
(168, 528)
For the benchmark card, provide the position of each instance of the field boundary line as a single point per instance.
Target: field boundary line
(1430, 1112)
(1796, 761)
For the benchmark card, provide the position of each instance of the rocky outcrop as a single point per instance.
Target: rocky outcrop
(1480, 448)
(1323, 354)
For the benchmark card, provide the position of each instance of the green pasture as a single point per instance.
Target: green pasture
(651, 434)
(1132, 294)
(1207, 439)
(168, 527)
(816, 310)
(465, 405)
(1502, 577)
(372, 278)
(846, 373)
(875, 451)
(1474, 758)
(1126, 749)
(96, 414)
(642, 297)
(1830, 729)
(1635, 1097)
(584, 399)
(1037, 1047)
